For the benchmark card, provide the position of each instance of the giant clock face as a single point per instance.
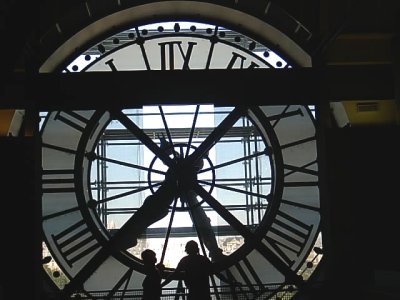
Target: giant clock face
(242, 181)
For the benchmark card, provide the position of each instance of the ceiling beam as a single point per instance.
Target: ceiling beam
(222, 87)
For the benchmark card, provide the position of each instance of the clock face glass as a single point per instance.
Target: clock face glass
(242, 182)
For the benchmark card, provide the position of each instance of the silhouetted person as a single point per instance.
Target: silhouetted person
(152, 282)
(196, 270)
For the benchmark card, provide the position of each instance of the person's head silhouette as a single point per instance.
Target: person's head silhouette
(192, 247)
(149, 257)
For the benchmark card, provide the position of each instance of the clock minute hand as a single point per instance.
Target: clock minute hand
(217, 134)
(249, 236)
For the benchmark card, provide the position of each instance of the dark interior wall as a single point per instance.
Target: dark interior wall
(20, 242)
(363, 177)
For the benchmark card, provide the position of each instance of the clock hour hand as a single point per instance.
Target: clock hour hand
(154, 208)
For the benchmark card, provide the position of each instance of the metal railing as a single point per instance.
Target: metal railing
(273, 292)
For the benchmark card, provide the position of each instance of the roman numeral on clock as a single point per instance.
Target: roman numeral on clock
(275, 119)
(72, 119)
(244, 275)
(58, 181)
(287, 237)
(75, 242)
(168, 54)
(120, 288)
(240, 60)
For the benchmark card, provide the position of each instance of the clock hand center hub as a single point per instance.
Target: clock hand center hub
(186, 175)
